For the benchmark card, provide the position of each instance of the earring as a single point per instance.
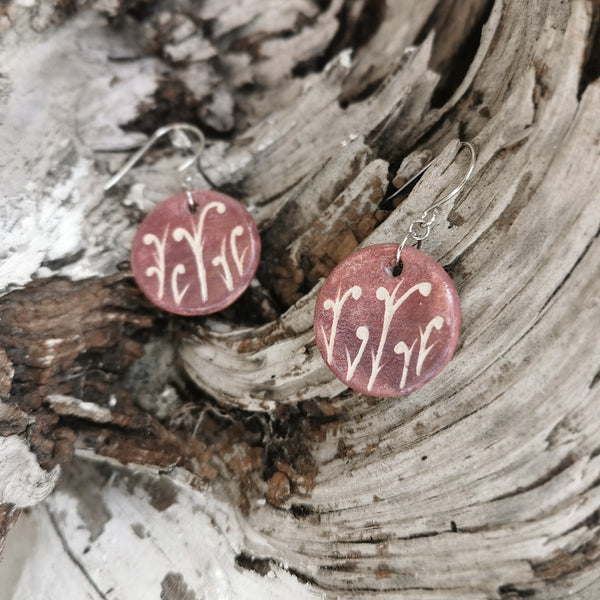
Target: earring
(387, 319)
(196, 252)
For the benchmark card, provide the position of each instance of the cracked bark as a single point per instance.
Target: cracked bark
(251, 471)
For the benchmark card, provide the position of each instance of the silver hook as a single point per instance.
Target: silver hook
(425, 221)
(156, 136)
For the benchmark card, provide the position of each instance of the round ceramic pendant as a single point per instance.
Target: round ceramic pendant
(384, 335)
(196, 262)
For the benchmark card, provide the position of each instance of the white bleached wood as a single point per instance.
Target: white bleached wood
(22, 481)
(184, 548)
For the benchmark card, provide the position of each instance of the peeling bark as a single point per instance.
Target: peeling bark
(251, 470)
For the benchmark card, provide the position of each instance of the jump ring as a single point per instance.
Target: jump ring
(419, 237)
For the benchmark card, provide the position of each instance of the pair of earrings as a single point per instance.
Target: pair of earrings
(387, 319)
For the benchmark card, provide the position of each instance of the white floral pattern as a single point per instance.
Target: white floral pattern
(196, 242)
(391, 305)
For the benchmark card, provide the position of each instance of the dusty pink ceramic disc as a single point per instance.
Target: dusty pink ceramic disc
(196, 263)
(384, 335)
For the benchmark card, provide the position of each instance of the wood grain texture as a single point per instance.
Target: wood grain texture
(251, 470)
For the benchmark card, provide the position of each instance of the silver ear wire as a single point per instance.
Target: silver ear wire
(162, 131)
(428, 216)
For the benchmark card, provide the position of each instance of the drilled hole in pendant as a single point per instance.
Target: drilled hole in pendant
(191, 203)
(395, 269)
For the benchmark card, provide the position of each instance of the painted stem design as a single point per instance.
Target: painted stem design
(390, 309)
(236, 232)
(178, 295)
(402, 348)
(196, 243)
(159, 257)
(336, 307)
(424, 350)
(221, 261)
(362, 333)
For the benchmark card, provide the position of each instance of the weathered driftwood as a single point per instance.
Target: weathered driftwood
(251, 471)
